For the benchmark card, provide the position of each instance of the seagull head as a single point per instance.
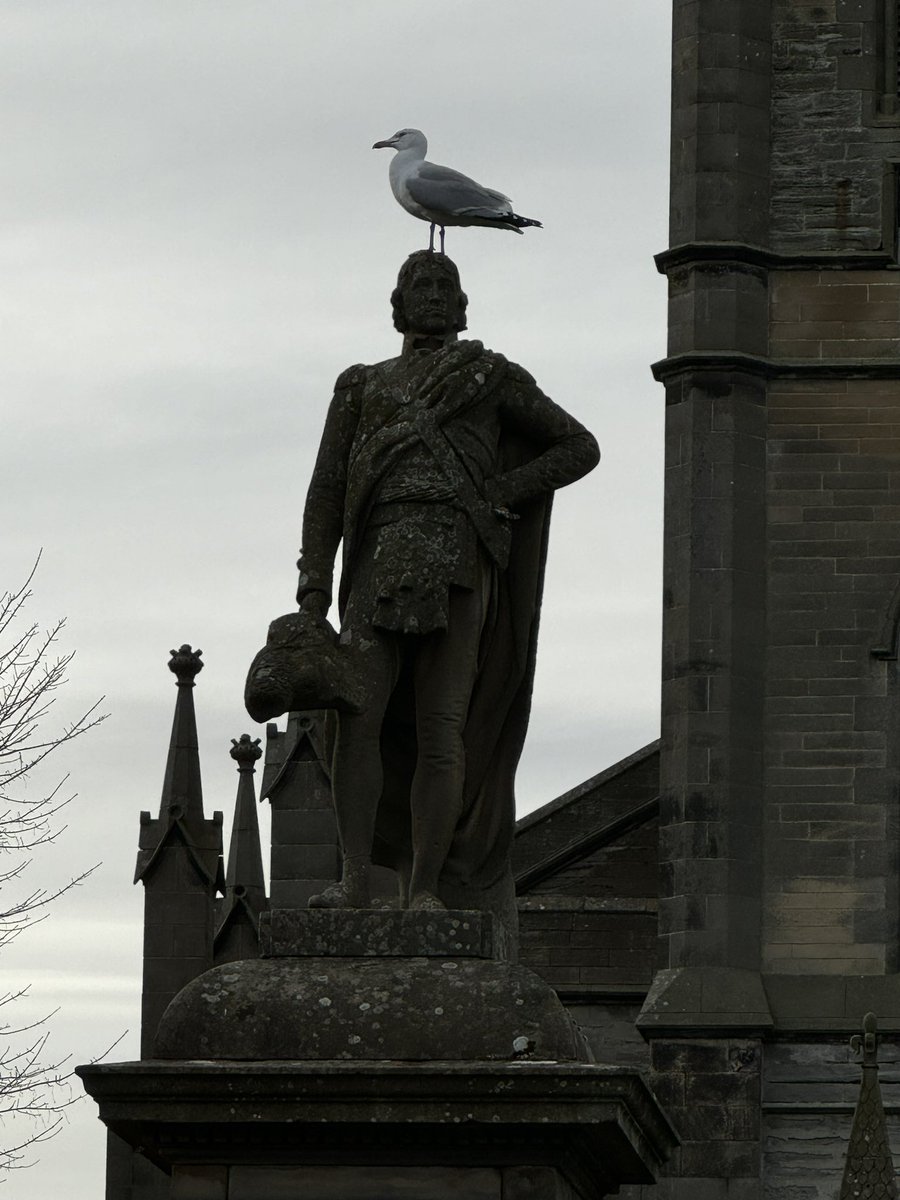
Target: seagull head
(405, 139)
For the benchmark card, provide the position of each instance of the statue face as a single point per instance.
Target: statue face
(431, 302)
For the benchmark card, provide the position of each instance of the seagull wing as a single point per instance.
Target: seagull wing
(443, 190)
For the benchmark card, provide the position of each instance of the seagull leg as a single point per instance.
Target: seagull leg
(442, 239)
(431, 239)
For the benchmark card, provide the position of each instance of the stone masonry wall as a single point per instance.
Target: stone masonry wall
(829, 140)
(809, 1094)
(580, 943)
(834, 562)
(838, 314)
(627, 866)
(710, 1090)
(589, 926)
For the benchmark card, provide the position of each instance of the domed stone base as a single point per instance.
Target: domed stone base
(402, 1009)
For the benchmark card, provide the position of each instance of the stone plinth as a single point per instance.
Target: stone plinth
(348, 933)
(386, 1131)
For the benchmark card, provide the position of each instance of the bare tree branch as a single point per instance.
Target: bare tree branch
(34, 1086)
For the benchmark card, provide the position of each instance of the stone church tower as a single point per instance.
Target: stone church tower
(779, 782)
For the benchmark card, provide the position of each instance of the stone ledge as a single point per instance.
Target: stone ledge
(716, 1001)
(601, 1125)
(743, 254)
(693, 362)
(617, 905)
(381, 933)
(696, 1001)
(833, 1003)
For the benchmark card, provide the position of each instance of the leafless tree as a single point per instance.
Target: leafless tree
(34, 1088)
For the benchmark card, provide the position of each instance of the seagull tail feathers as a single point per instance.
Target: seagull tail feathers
(491, 219)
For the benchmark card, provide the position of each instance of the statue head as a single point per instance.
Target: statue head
(428, 297)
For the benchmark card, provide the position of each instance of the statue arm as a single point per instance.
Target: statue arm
(566, 450)
(323, 516)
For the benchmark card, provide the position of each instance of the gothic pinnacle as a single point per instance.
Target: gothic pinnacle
(185, 664)
(245, 751)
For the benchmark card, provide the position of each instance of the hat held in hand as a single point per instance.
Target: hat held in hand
(301, 666)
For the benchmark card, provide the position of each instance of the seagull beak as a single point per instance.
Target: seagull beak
(379, 145)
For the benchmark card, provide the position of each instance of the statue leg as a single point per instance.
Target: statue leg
(357, 776)
(445, 669)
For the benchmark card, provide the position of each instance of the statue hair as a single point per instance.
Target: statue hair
(425, 259)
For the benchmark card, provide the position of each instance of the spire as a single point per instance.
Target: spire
(181, 806)
(182, 789)
(245, 888)
(245, 865)
(869, 1170)
(179, 862)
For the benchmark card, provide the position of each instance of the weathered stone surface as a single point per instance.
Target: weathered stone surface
(300, 667)
(411, 1009)
(435, 471)
(347, 1183)
(832, 754)
(354, 933)
(829, 1004)
(827, 154)
(710, 999)
(598, 1127)
(387, 1183)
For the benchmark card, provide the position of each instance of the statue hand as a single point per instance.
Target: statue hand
(315, 603)
(495, 494)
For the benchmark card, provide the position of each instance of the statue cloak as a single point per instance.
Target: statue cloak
(477, 873)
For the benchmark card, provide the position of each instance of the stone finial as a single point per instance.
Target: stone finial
(245, 751)
(866, 1043)
(869, 1169)
(185, 664)
(182, 794)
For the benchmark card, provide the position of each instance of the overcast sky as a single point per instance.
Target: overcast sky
(196, 238)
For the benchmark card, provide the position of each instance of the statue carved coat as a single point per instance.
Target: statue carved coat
(436, 471)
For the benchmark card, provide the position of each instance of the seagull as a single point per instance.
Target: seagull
(441, 195)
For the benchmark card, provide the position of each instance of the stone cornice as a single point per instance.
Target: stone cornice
(716, 1001)
(692, 362)
(584, 1115)
(744, 254)
(807, 1005)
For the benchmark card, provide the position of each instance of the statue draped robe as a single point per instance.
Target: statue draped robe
(495, 439)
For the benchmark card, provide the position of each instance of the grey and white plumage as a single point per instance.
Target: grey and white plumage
(441, 195)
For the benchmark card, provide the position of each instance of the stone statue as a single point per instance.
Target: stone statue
(436, 470)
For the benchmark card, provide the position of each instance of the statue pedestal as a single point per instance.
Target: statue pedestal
(385, 1130)
(382, 933)
(379, 1056)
